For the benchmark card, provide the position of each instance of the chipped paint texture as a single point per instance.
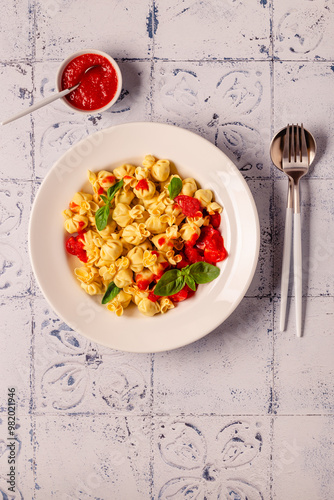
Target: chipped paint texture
(247, 411)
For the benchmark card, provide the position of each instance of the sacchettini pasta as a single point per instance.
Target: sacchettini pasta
(147, 229)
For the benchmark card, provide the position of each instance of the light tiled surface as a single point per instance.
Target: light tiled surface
(246, 412)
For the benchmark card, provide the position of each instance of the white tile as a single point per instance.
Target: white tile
(303, 459)
(214, 30)
(15, 148)
(15, 353)
(303, 93)
(15, 201)
(303, 30)
(74, 375)
(16, 37)
(22, 452)
(303, 371)
(228, 103)
(212, 457)
(57, 128)
(92, 457)
(119, 29)
(227, 372)
(262, 281)
(317, 208)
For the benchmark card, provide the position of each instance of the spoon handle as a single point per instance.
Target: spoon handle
(286, 254)
(40, 104)
(297, 268)
(286, 266)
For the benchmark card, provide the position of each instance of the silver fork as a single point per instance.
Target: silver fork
(295, 164)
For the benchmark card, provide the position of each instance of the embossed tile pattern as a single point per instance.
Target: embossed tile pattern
(184, 451)
(222, 100)
(246, 412)
(245, 339)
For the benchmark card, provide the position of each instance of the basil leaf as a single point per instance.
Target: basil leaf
(202, 272)
(111, 293)
(101, 217)
(191, 282)
(174, 187)
(171, 282)
(104, 198)
(113, 189)
(184, 271)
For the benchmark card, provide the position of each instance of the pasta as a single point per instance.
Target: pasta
(134, 227)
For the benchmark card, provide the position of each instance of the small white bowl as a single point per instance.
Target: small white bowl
(80, 53)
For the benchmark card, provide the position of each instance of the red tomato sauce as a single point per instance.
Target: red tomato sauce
(98, 86)
(210, 244)
(143, 185)
(190, 207)
(74, 246)
(109, 179)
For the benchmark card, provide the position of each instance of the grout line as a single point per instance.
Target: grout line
(174, 415)
(34, 60)
(38, 295)
(32, 402)
(151, 465)
(33, 159)
(272, 228)
(38, 179)
(152, 356)
(271, 437)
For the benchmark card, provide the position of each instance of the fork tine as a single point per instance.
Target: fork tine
(286, 146)
(292, 146)
(304, 152)
(298, 158)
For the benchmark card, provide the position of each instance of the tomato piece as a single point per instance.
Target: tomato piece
(209, 238)
(180, 296)
(215, 220)
(214, 256)
(75, 246)
(190, 206)
(183, 294)
(192, 240)
(183, 263)
(143, 185)
(74, 207)
(144, 279)
(192, 254)
(153, 297)
(211, 244)
(108, 179)
(100, 191)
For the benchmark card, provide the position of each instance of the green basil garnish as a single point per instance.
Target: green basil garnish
(101, 217)
(104, 198)
(111, 293)
(202, 272)
(171, 282)
(174, 280)
(174, 187)
(113, 189)
(191, 282)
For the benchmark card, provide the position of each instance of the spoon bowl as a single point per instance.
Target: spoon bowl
(277, 145)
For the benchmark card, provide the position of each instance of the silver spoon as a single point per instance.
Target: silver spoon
(276, 153)
(48, 100)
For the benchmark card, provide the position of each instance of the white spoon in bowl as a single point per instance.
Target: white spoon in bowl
(48, 100)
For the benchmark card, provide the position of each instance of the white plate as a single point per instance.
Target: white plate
(193, 157)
